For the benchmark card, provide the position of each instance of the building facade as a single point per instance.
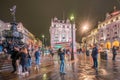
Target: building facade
(109, 30)
(61, 34)
(107, 34)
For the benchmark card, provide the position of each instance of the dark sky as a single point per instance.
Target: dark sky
(36, 14)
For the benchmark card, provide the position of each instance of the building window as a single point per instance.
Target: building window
(63, 37)
(117, 18)
(103, 24)
(111, 21)
(54, 26)
(107, 29)
(115, 32)
(115, 27)
(63, 26)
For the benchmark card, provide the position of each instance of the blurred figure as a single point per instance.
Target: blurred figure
(51, 52)
(29, 62)
(1, 47)
(80, 50)
(87, 52)
(62, 59)
(68, 54)
(24, 60)
(95, 56)
(37, 58)
(106, 53)
(14, 57)
(10, 47)
(114, 52)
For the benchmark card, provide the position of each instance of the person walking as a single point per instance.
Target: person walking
(95, 56)
(62, 59)
(114, 52)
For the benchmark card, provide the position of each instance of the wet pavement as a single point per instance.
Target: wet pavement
(79, 69)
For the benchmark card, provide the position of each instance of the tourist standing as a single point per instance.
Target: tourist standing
(62, 59)
(37, 58)
(95, 56)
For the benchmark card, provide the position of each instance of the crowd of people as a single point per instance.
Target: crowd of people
(25, 57)
(22, 57)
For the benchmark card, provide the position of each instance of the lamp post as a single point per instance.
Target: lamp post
(43, 37)
(72, 22)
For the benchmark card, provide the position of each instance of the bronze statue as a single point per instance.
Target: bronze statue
(13, 10)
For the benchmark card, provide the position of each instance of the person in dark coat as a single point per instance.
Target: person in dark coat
(24, 60)
(95, 56)
(114, 51)
(14, 57)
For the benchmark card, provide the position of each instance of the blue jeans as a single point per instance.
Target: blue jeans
(62, 66)
(38, 61)
(95, 62)
(29, 62)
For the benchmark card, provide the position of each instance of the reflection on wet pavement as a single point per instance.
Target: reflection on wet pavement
(80, 69)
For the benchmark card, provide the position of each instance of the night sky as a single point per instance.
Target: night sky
(36, 14)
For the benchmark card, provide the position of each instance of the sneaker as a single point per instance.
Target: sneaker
(23, 74)
(64, 73)
(27, 73)
(60, 72)
(18, 73)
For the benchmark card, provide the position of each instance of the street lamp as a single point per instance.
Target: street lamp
(43, 37)
(72, 22)
(85, 29)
